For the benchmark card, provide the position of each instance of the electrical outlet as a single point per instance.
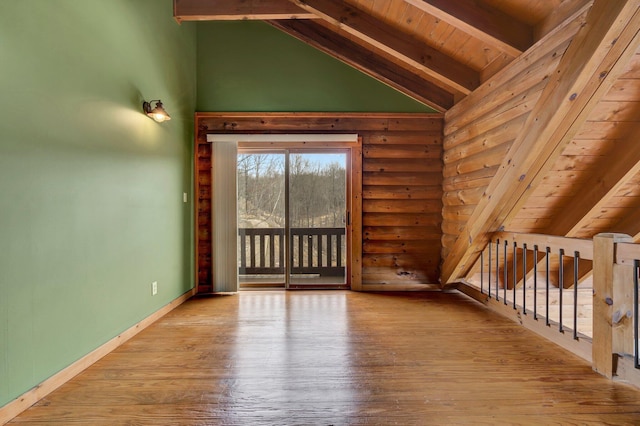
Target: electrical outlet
(154, 288)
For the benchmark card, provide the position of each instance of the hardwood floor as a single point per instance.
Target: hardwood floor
(337, 358)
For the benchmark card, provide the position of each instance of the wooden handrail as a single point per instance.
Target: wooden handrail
(554, 243)
(627, 253)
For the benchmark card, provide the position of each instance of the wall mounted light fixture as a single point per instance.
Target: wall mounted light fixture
(157, 113)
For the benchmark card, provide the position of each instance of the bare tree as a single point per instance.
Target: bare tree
(260, 183)
(316, 191)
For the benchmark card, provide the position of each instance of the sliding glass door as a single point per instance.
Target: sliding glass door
(317, 219)
(292, 218)
(261, 218)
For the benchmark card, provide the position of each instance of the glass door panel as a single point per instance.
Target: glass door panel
(261, 219)
(317, 219)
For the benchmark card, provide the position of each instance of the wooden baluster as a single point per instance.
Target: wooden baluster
(279, 238)
(272, 249)
(339, 250)
(309, 240)
(252, 250)
(243, 250)
(319, 256)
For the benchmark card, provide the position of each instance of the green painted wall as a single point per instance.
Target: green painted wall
(91, 207)
(251, 66)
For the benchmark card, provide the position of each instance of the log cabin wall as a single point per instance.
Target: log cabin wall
(480, 129)
(402, 189)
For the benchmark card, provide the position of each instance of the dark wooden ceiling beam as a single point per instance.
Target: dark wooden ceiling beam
(586, 71)
(362, 59)
(233, 10)
(447, 71)
(487, 24)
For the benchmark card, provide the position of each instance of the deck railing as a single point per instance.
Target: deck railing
(261, 251)
(318, 251)
(579, 293)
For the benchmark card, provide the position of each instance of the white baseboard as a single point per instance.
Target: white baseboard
(26, 400)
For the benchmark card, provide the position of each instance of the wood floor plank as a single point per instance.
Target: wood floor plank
(337, 358)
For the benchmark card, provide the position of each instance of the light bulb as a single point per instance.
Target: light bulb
(159, 117)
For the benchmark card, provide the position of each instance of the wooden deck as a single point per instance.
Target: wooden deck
(337, 358)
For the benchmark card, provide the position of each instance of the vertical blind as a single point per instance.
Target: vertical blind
(225, 220)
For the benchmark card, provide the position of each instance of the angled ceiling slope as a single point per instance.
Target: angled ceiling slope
(434, 51)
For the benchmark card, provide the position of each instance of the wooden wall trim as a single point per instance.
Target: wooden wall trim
(401, 170)
(355, 193)
(276, 122)
(26, 400)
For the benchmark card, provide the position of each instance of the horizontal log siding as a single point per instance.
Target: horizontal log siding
(402, 188)
(204, 264)
(480, 129)
(402, 204)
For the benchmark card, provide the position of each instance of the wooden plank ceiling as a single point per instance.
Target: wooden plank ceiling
(541, 100)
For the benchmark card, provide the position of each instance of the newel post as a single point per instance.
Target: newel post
(612, 304)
